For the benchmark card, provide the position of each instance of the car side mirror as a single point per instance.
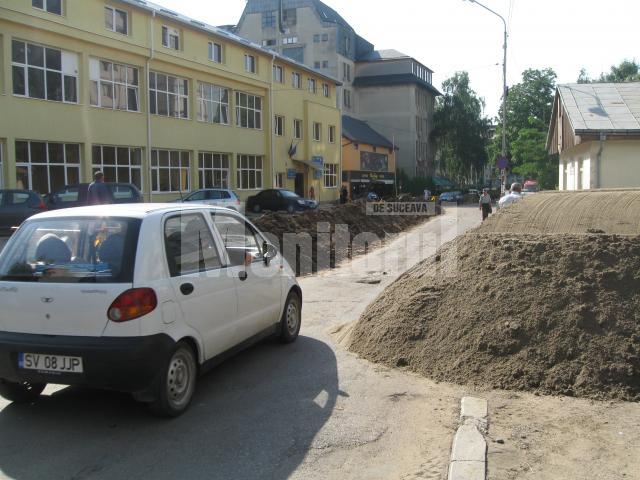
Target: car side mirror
(269, 251)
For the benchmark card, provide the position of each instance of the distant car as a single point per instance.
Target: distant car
(373, 197)
(530, 186)
(16, 206)
(76, 195)
(279, 199)
(452, 197)
(218, 197)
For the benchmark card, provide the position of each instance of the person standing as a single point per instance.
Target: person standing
(513, 196)
(312, 193)
(485, 204)
(98, 193)
(344, 195)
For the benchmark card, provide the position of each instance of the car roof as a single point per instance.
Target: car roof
(130, 210)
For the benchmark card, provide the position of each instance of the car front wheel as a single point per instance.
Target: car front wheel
(291, 319)
(290, 209)
(177, 384)
(23, 392)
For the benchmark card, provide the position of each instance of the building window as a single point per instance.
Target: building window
(312, 86)
(214, 171)
(249, 172)
(325, 37)
(289, 40)
(325, 90)
(170, 38)
(215, 52)
(332, 134)
(119, 164)
(280, 180)
(46, 167)
(248, 111)
(279, 125)
(51, 6)
(278, 74)
(116, 20)
(346, 97)
(114, 85)
(168, 95)
(296, 81)
(269, 19)
(316, 65)
(330, 175)
(316, 38)
(213, 104)
(250, 63)
(170, 171)
(271, 42)
(317, 131)
(346, 71)
(45, 73)
(297, 129)
(325, 64)
(289, 17)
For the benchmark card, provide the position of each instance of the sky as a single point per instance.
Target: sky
(454, 35)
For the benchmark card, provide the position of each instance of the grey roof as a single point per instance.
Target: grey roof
(383, 55)
(359, 131)
(328, 14)
(602, 107)
(198, 25)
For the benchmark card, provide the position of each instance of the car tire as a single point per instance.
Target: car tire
(23, 392)
(257, 208)
(177, 384)
(291, 319)
(290, 209)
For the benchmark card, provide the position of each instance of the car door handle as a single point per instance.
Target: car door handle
(187, 288)
(242, 276)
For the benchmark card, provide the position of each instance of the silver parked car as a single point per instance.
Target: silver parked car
(218, 197)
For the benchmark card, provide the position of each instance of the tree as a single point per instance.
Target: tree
(626, 71)
(460, 130)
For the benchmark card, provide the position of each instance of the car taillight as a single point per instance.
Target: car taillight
(132, 304)
(42, 206)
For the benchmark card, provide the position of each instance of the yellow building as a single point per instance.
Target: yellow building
(368, 159)
(156, 99)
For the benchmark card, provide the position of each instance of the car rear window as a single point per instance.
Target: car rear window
(72, 250)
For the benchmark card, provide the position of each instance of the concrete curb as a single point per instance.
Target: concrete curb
(469, 450)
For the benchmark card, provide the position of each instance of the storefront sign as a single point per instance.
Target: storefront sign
(374, 162)
(291, 173)
(367, 177)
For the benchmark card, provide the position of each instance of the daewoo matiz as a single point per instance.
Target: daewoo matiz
(137, 298)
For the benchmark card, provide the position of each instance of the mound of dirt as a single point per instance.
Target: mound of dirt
(342, 222)
(555, 314)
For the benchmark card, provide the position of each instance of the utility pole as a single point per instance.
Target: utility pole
(502, 161)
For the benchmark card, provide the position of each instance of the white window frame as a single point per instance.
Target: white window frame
(326, 90)
(346, 98)
(215, 52)
(253, 166)
(313, 85)
(170, 38)
(45, 7)
(222, 170)
(114, 25)
(251, 111)
(289, 40)
(280, 180)
(213, 104)
(129, 166)
(330, 175)
(48, 164)
(250, 63)
(298, 129)
(278, 74)
(317, 131)
(270, 42)
(96, 80)
(184, 171)
(68, 65)
(278, 125)
(177, 97)
(296, 80)
(332, 134)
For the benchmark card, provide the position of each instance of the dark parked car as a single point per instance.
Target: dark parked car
(451, 197)
(76, 195)
(279, 199)
(16, 206)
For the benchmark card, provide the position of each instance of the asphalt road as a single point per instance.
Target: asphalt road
(310, 410)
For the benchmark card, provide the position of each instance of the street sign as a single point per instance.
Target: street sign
(503, 162)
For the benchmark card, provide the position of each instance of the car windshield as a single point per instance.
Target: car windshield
(288, 194)
(68, 250)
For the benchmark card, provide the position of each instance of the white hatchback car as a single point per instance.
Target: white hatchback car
(137, 298)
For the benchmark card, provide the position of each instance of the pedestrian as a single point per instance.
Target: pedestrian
(344, 195)
(98, 193)
(513, 196)
(312, 193)
(427, 194)
(485, 204)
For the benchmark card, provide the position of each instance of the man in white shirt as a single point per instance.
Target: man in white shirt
(513, 196)
(485, 203)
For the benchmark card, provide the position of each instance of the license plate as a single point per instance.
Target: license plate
(50, 363)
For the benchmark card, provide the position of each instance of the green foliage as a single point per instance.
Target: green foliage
(530, 155)
(626, 71)
(460, 130)
(415, 185)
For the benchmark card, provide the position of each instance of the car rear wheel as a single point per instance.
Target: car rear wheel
(23, 392)
(178, 383)
(291, 319)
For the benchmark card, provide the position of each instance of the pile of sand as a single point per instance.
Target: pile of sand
(552, 313)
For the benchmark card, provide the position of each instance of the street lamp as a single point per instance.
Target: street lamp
(504, 98)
